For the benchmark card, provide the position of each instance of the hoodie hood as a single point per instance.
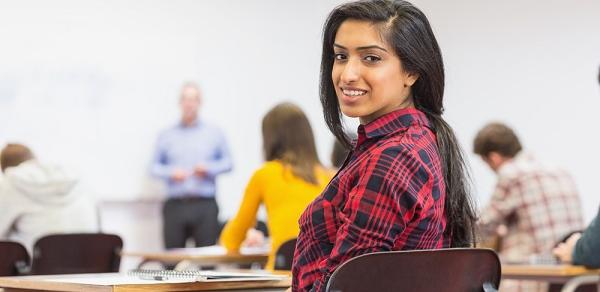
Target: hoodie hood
(48, 184)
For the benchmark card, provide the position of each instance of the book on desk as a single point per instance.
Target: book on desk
(202, 276)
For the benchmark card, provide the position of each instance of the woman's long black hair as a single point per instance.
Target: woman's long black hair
(407, 30)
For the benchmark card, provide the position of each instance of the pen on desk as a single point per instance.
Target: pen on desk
(155, 278)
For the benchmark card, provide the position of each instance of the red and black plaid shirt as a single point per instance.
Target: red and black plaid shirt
(389, 195)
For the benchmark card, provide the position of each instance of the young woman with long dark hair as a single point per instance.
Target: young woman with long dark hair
(405, 186)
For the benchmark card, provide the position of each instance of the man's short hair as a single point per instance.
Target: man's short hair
(14, 154)
(496, 137)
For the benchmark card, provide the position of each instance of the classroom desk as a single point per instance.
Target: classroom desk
(212, 255)
(570, 276)
(65, 283)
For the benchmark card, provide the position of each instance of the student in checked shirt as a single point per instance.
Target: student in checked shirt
(533, 204)
(403, 187)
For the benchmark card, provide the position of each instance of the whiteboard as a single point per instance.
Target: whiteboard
(90, 84)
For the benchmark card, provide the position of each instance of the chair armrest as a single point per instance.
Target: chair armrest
(23, 268)
(489, 287)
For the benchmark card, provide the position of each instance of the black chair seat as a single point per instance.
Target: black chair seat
(449, 270)
(14, 259)
(285, 255)
(76, 253)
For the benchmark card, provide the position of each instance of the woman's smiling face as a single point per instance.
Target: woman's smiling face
(368, 77)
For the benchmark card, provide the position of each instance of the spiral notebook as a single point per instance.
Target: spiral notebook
(203, 276)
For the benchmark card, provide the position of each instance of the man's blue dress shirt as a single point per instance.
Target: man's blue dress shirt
(185, 147)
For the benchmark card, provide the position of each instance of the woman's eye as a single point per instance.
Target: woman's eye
(372, 59)
(340, 56)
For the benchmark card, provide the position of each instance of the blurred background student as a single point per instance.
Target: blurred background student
(286, 183)
(38, 199)
(189, 156)
(533, 204)
(582, 249)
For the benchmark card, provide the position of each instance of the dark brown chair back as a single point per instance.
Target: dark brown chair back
(285, 255)
(448, 270)
(76, 253)
(13, 258)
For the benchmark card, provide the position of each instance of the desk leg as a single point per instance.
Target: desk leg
(572, 284)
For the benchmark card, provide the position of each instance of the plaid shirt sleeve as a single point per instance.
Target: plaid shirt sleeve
(504, 202)
(394, 181)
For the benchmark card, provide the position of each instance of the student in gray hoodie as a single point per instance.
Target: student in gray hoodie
(39, 199)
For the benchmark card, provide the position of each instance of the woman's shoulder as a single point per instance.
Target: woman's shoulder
(395, 147)
(324, 174)
(412, 149)
(417, 141)
(269, 168)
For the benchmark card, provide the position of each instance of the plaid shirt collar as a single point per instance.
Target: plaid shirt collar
(515, 164)
(392, 122)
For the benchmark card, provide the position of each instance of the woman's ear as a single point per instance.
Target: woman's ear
(411, 78)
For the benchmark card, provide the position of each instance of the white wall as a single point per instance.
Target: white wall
(532, 64)
(91, 83)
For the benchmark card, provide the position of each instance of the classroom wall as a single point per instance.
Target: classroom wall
(531, 64)
(90, 84)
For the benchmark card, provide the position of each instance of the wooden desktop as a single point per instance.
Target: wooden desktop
(114, 282)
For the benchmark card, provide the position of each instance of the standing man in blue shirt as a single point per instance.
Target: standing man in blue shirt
(189, 156)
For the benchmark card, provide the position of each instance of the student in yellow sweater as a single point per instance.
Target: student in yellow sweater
(286, 183)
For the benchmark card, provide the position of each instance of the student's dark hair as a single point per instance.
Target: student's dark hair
(14, 154)
(340, 151)
(496, 137)
(288, 137)
(406, 29)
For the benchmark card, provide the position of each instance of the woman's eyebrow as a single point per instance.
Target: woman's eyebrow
(362, 48)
